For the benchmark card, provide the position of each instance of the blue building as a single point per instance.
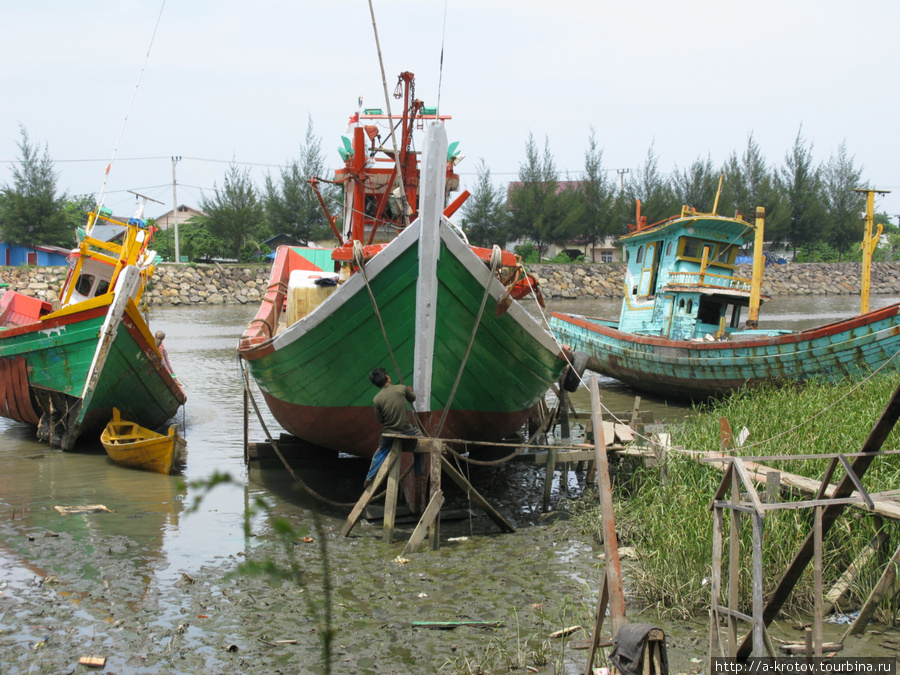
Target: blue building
(14, 255)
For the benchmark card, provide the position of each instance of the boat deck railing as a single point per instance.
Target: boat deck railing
(707, 280)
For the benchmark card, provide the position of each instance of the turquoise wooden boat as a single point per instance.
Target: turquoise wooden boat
(680, 333)
(65, 365)
(412, 305)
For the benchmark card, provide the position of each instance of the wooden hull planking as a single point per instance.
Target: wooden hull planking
(696, 370)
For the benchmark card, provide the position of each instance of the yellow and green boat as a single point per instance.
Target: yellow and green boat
(436, 313)
(65, 364)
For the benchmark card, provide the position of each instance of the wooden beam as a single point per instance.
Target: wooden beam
(393, 492)
(886, 586)
(369, 492)
(475, 496)
(871, 445)
(432, 511)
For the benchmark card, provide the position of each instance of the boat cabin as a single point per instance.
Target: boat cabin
(679, 279)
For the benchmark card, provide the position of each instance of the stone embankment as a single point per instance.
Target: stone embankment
(170, 284)
(217, 285)
(606, 280)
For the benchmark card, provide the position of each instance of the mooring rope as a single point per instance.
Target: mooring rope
(277, 450)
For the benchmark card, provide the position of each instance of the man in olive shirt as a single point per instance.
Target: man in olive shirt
(391, 412)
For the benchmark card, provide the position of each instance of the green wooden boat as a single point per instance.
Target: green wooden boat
(65, 365)
(412, 306)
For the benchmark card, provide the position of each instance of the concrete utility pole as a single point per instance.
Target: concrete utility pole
(175, 209)
(622, 173)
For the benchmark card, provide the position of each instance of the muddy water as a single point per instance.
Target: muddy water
(146, 584)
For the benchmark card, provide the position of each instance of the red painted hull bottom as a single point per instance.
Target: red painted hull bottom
(355, 431)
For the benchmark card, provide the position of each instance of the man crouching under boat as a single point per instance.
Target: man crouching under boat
(391, 412)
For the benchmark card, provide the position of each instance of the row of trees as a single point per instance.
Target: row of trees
(238, 215)
(810, 207)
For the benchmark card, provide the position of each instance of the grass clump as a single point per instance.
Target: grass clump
(670, 522)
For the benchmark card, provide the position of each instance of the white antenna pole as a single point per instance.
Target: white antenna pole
(175, 209)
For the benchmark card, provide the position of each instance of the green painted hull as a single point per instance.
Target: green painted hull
(314, 375)
(48, 381)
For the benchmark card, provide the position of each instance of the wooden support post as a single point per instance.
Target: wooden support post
(887, 585)
(833, 596)
(773, 487)
(369, 492)
(431, 513)
(548, 478)
(393, 491)
(734, 562)
(635, 411)
(872, 445)
(437, 451)
(726, 436)
(602, 603)
(817, 582)
(475, 496)
(246, 424)
(613, 570)
(758, 626)
(564, 413)
(715, 641)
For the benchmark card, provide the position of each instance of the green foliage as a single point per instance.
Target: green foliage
(76, 210)
(485, 216)
(528, 252)
(597, 209)
(234, 213)
(801, 182)
(669, 522)
(658, 201)
(291, 205)
(31, 213)
(697, 186)
(842, 205)
(539, 208)
(196, 243)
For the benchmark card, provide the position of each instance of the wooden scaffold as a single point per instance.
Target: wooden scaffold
(737, 496)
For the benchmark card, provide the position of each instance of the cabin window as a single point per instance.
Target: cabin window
(640, 255)
(102, 287)
(85, 281)
(690, 307)
(627, 256)
(709, 312)
(668, 249)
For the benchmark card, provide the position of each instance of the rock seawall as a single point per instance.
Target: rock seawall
(242, 284)
(605, 280)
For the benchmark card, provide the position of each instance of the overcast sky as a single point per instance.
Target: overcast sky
(228, 80)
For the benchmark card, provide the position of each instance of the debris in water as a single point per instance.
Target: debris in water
(89, 508)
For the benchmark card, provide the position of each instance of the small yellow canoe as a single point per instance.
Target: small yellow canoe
(128, 444)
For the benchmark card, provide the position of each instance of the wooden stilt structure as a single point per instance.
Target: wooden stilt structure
(828, 503)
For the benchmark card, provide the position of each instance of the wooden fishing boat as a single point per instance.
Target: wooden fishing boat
(128, 444)
(438, 314)
(679, 333)
(65, 364)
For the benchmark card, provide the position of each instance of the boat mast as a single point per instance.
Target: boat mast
(869, 242)
(758, 267)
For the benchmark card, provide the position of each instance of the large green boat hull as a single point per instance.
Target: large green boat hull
(314, 375)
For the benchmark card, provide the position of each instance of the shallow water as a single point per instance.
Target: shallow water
(158, 532)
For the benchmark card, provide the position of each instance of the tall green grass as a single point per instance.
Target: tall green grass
(670, 523)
